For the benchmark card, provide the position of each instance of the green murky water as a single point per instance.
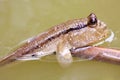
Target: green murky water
(21, 19)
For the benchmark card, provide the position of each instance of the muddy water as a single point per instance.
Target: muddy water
(21, 19)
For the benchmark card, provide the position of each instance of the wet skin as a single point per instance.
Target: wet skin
(60, 39)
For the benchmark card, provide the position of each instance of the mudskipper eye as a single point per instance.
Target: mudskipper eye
(92, 20)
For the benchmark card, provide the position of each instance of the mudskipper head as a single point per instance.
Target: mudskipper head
(100, 30)
(94, 32)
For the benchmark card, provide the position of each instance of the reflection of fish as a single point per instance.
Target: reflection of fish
(98, 53)
(60, 39)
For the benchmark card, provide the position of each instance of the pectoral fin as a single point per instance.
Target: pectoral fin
(63, 54)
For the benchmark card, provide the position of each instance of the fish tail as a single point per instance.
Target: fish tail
(7, 60)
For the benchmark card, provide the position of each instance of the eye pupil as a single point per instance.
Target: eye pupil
(92, 19)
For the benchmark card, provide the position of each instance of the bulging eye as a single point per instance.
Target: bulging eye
(92, 20)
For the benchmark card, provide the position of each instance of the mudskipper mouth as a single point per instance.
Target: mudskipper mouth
(109, 39)
(80, 50)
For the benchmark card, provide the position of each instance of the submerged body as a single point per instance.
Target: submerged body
(60, 39)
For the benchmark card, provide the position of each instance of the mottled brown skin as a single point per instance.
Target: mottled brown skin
(60, 39)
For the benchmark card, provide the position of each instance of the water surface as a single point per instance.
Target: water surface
(21, 19)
